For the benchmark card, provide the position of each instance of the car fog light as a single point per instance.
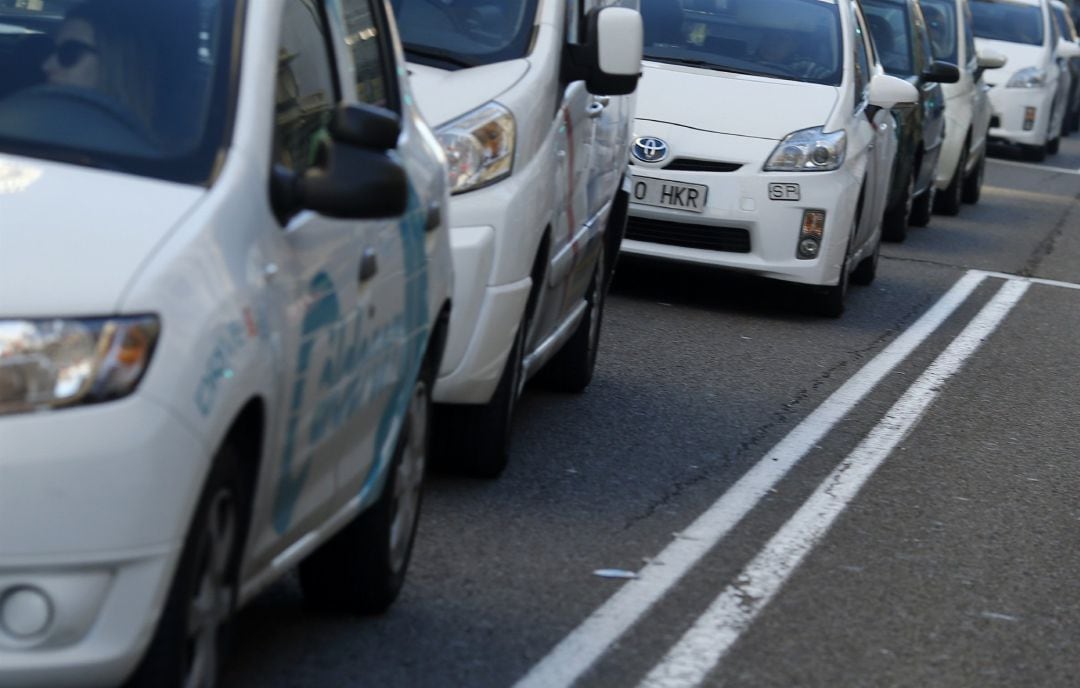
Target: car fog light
(25, 612)
(811, 234)
(1029, 118)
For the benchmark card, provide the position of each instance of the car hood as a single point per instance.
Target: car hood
(72, 238)
(443, 95)
(734, 104)
(1018, 54)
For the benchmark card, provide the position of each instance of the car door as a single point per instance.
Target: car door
(867, 139)
(314, 283)
(972, 74)
(932, 97)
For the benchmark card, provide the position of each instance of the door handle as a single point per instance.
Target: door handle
(594, 110)
(369, 264)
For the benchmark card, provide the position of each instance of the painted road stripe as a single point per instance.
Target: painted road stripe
(579, 650)
(700, 650)
(1034, 166)
(1030, 280)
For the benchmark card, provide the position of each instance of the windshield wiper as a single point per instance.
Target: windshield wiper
(445, 56)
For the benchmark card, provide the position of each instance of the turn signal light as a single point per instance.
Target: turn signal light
(811, 234)
(1029, 118)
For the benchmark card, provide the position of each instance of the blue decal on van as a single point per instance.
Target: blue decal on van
(323, 312)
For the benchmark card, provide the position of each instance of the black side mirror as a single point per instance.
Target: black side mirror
(355, 178)
(941, 73)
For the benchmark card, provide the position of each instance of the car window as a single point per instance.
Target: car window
(454, 34)
(889, 25)
(1003, 20)
(371, 56)
(969, 36)
(862, 59)
(799, 40)
(306, 94)
(941, 21)
(147, 81)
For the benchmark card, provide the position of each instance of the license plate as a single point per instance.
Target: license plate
(660, 192)
(784, 192)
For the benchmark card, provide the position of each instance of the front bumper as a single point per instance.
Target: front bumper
(739, 204)
(94, 505)
(1009, 106)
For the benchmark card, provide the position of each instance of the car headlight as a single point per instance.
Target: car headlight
(479, 147)
(64, 362)
(1028, 77)
(809, 150)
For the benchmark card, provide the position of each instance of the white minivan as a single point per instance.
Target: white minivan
(529, 99)
(962, 163)
(1030, 98)
(763, 141)
(224, 281)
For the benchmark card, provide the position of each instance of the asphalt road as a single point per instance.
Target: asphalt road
(889, 498)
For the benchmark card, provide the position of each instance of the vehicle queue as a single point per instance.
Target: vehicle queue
(361, 227)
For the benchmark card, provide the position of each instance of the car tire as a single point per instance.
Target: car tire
(922, 208)
(571, 369)
(1034, 153)
(866, 271)
(193, 632)
(895, 223)
(830, 300)
(949, 201)
(474, 439)
(974, 180)
(1053, 145)
(361, 569)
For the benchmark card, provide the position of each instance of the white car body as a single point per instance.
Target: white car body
(96, 500)
(1048, 96)
(726, 118)
(967, 105)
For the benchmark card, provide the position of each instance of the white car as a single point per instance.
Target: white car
(763, 141)
(223, 295)
(530, 101)
(962, 163)
(1030, 98)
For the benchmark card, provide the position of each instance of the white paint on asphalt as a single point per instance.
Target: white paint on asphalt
(579, 650)
(700, 650)
(1035, 166)
(1030, 280)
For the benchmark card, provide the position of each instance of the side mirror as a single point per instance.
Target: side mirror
(941, 73)
(1067, 49)
(887, 92)
(990, 59)
(354, 177)
(609, 61)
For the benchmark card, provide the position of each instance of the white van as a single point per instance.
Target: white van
(223, 295)
(1030, 98)
(528, 100)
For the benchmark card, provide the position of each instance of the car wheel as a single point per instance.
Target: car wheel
(1035, 153)
(830, 300)
(1053, 145)
(922, 207)
(571, 370)
(191, 639)
(865, 272)
(895, 223)
(362, 568)
(949, 201)
(974, 180)
(474, 439)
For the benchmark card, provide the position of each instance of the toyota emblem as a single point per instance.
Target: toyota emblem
(649, 149)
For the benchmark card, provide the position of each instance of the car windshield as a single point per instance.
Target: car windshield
(1003, 20)
(888, 20)
(1065, 27)
(941, 18)
(136, 86)
(454, 34)
(798, 40)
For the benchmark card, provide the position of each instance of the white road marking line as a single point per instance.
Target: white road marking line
(1034, 166)
(700, 650)
(579, 650)
(1029, 280)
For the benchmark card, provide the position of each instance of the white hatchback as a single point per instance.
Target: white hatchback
(223, 297)
(1030, 98)
(764, 141)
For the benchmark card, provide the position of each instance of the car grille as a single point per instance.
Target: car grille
(691, 165)
(708, 237)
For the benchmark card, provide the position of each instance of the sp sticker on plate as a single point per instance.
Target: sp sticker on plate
(784, 192)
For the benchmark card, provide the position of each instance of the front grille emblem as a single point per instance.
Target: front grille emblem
(649, 149)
